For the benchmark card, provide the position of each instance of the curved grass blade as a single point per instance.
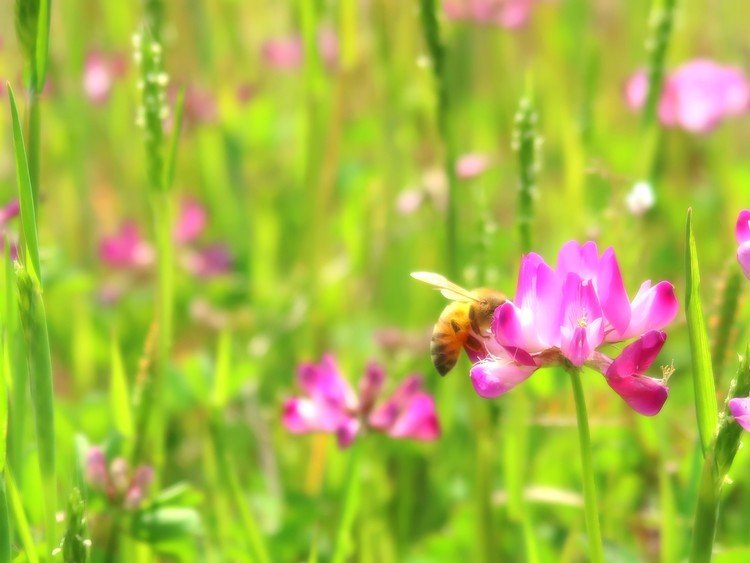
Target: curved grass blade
(703, 376)
(25, 190)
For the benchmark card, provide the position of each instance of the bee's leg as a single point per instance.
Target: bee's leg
(474, 345)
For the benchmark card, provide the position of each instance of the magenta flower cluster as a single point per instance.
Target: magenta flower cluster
(510, 14)
(740, 407)
(128, 250)
(565, 315)
(119, 484)
(331, 405)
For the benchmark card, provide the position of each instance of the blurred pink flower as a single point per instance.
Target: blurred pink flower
(740, 409)
(211, 261)
(471, 165)
(696, 96)
(742, 234)
(121, 486)
(126, 249)
(562, 316)
(284, 53)
(504, 13)
(99, 75)
(409, 201)
(191, 222)
(331, 405)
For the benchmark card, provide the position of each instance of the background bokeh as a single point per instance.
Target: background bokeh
(322, 175)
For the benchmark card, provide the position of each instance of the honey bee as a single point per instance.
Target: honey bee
(462, 323)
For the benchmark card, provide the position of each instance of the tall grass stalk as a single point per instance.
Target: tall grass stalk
(436, 50)
(34, 322)
(723, 323)
(662, 22)
(717, 462)
(20, 521)
(160, 162)
(525, 143)
(596, 550)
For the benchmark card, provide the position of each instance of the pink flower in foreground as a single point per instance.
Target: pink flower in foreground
(504, 13)
(192, 221)
(331, 405)
(742, 234)
(562, 316)
(126, 249)
(740, 409)
(697, 96)
(121, 486)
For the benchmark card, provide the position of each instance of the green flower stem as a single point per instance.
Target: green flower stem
(706, 512)
(352, 492)
(596, 551)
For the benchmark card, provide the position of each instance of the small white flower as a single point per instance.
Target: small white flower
(641, 198)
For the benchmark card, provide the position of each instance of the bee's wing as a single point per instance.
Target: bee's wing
(449, 289)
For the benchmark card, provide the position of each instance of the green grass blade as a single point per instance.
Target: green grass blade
(41, 52)
(703, 376)
(20, 522)
(352, 493)
(119, 394)
(25, 190)
(34, 322)
(725, 319)
(662, 22)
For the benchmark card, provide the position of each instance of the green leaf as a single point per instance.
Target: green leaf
(164, 524)
(703, 376)
(25, 191)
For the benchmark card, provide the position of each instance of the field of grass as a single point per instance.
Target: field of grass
(215, 194)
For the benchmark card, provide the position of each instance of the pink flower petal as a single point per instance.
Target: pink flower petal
(743, 257)
(97, 78)
(385, 415)
(417, 420)
(636, 90)
(625, 376)
(742, 227)
(582, 329)
(284, 53)
(126, 249)
(324, 383)
(192, 221)
(492, 378)
(740, 409)
(347, 431)
(611, 291)
(471, 165)
(370, 386)
(652, 308)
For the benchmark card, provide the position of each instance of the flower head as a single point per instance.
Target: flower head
(120, 485)
(331, 405)
(697, 96)
(742, 234)
(562, 316)
(99, 75)
(126, 249)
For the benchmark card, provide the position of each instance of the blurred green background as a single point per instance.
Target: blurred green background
(326, 183)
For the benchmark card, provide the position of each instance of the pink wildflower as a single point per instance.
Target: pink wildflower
(563, 315)
(99, 75)
(191, 223)
(126, 249)
(697, 96)
(331, 405)
(283, 53)
(121, 486)
(471, 165)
